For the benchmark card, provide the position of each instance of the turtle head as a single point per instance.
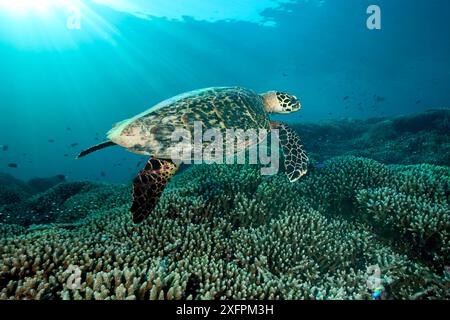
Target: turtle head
(280, 102)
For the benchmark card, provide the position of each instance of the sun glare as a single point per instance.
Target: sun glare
(52, 24)
(25, 6)
(39, 7)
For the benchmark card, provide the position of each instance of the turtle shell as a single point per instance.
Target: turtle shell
(219, 108)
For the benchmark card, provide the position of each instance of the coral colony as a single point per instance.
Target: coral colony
(228, 232)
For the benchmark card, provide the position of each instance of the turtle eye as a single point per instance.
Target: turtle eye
(294, 102)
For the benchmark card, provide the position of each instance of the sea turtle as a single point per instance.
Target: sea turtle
(221, 108)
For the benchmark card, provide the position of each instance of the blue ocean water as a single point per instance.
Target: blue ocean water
(357, 206)
(62, 87)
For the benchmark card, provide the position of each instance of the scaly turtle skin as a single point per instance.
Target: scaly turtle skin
(220, 108)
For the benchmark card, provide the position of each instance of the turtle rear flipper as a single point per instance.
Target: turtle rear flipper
(149, 185)
(295, 158)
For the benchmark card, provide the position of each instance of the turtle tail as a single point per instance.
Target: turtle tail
(99, 146)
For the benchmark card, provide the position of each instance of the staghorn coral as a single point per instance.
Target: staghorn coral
(408, 204)
(414, 204)
(10, 230)
(225, 232)
(334, 187)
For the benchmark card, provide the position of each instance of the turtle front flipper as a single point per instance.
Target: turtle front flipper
(295, 158)
(149, 185)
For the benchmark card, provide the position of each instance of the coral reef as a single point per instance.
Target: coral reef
(412, 139)
(226, 232)
(414, 206)
(64, 203)
(407, 204)
(12, 190)
(42, 184)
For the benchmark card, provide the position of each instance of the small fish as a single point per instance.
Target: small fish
(346, 98)
(51, 140)
(5, 147)
(74, 144)
(60, 177)
(102, 174)
(13, 165)
(68, 129)
(285, 74)
(377, 293)
(418, 101)
(379, 99)
(24, 154)
(66, 155)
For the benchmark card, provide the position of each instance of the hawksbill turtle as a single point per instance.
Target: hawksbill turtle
(220, 108)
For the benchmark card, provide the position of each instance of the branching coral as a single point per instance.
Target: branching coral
(222, 232)
(414, 203)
